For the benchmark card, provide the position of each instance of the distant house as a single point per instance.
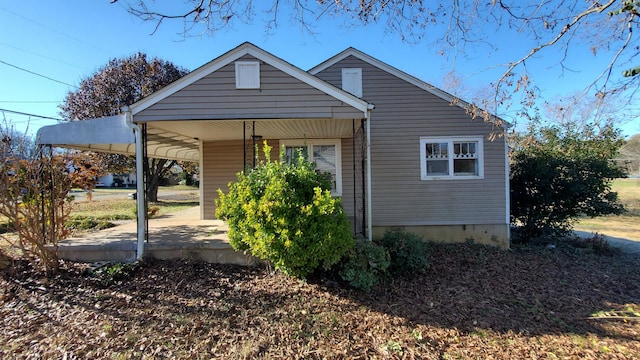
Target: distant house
(117, 180)
(402, 154)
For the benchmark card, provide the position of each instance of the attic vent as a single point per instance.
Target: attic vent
(352, 81)
(247, 75)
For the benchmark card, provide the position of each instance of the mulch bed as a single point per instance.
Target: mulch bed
(474, 302)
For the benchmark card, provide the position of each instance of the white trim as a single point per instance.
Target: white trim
(201, 167)
(252, 50)
(309, 143)
(450, 158)
(507, 185)
(369, 192)
(141, 216)
(398, 73)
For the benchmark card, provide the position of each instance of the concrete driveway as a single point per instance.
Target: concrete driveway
(627, 246)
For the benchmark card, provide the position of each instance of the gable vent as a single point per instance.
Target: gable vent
(352, 81)
(247, 75)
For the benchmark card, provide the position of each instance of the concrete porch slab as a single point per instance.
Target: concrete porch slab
(180, 235)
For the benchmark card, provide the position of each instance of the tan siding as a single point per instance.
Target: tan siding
(352, 180)
(216, 97)
(403, 113)
(222, 160)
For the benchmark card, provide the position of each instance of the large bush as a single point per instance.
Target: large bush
(559, 175)
(284, 213)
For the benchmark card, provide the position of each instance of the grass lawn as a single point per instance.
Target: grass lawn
(625, 226)
(119, 209)
(113, 204)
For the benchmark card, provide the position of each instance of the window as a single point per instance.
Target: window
(352, 81)
(325, 153)
(453, 158)
(247, 75)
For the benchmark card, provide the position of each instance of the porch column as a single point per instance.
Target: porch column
(140, 194)
(369, 212)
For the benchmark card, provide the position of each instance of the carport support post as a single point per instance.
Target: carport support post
(369, 216)
(140, 195)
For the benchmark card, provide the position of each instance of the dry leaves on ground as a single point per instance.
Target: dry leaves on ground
(474, 302)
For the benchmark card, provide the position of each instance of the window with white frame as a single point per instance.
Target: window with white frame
(326, 154)
(451, 158)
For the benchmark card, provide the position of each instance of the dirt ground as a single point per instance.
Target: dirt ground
(474, 302)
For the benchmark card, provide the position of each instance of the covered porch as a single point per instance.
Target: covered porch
(193, 234)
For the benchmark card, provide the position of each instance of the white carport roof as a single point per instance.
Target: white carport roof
(112, 134)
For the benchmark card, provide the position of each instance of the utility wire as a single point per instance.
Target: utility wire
(37, 74)
(28, 102)
(28, 114)
(56, 31)
(40, 55)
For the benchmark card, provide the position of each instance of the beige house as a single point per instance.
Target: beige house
(403, 155)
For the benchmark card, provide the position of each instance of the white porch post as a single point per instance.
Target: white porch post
(201, 183)
(140, 195)
(369, 212)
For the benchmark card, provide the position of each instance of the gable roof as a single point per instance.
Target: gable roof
(398, 73)
(252, 50)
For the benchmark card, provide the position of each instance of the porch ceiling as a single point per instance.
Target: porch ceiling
(179, 139)
(218, 130)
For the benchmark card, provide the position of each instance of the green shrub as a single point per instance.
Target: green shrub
(284, 213)
(88, 223)
(7, 227)
(365, 265)
(559, 175)
(409, 253)
(112, 273)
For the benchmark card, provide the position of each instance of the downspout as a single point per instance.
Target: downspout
(139, 182)
(507, 175)
(369, 212)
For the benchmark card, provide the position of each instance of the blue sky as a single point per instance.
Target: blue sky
(69, 40)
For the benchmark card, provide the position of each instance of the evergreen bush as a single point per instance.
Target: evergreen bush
(365, 265)
(408, 252)
(284, 213)
(559, 175)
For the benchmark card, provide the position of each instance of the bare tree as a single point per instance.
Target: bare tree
(550, 26)
(14, 143)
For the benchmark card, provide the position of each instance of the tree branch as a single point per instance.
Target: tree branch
(560, 35)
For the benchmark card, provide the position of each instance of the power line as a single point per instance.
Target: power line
(40, 55)
(37, 74)
(28, 102)
(28, 114)
(54, 30)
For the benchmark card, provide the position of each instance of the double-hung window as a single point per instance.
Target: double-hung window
(326, 154)
(451, 158)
